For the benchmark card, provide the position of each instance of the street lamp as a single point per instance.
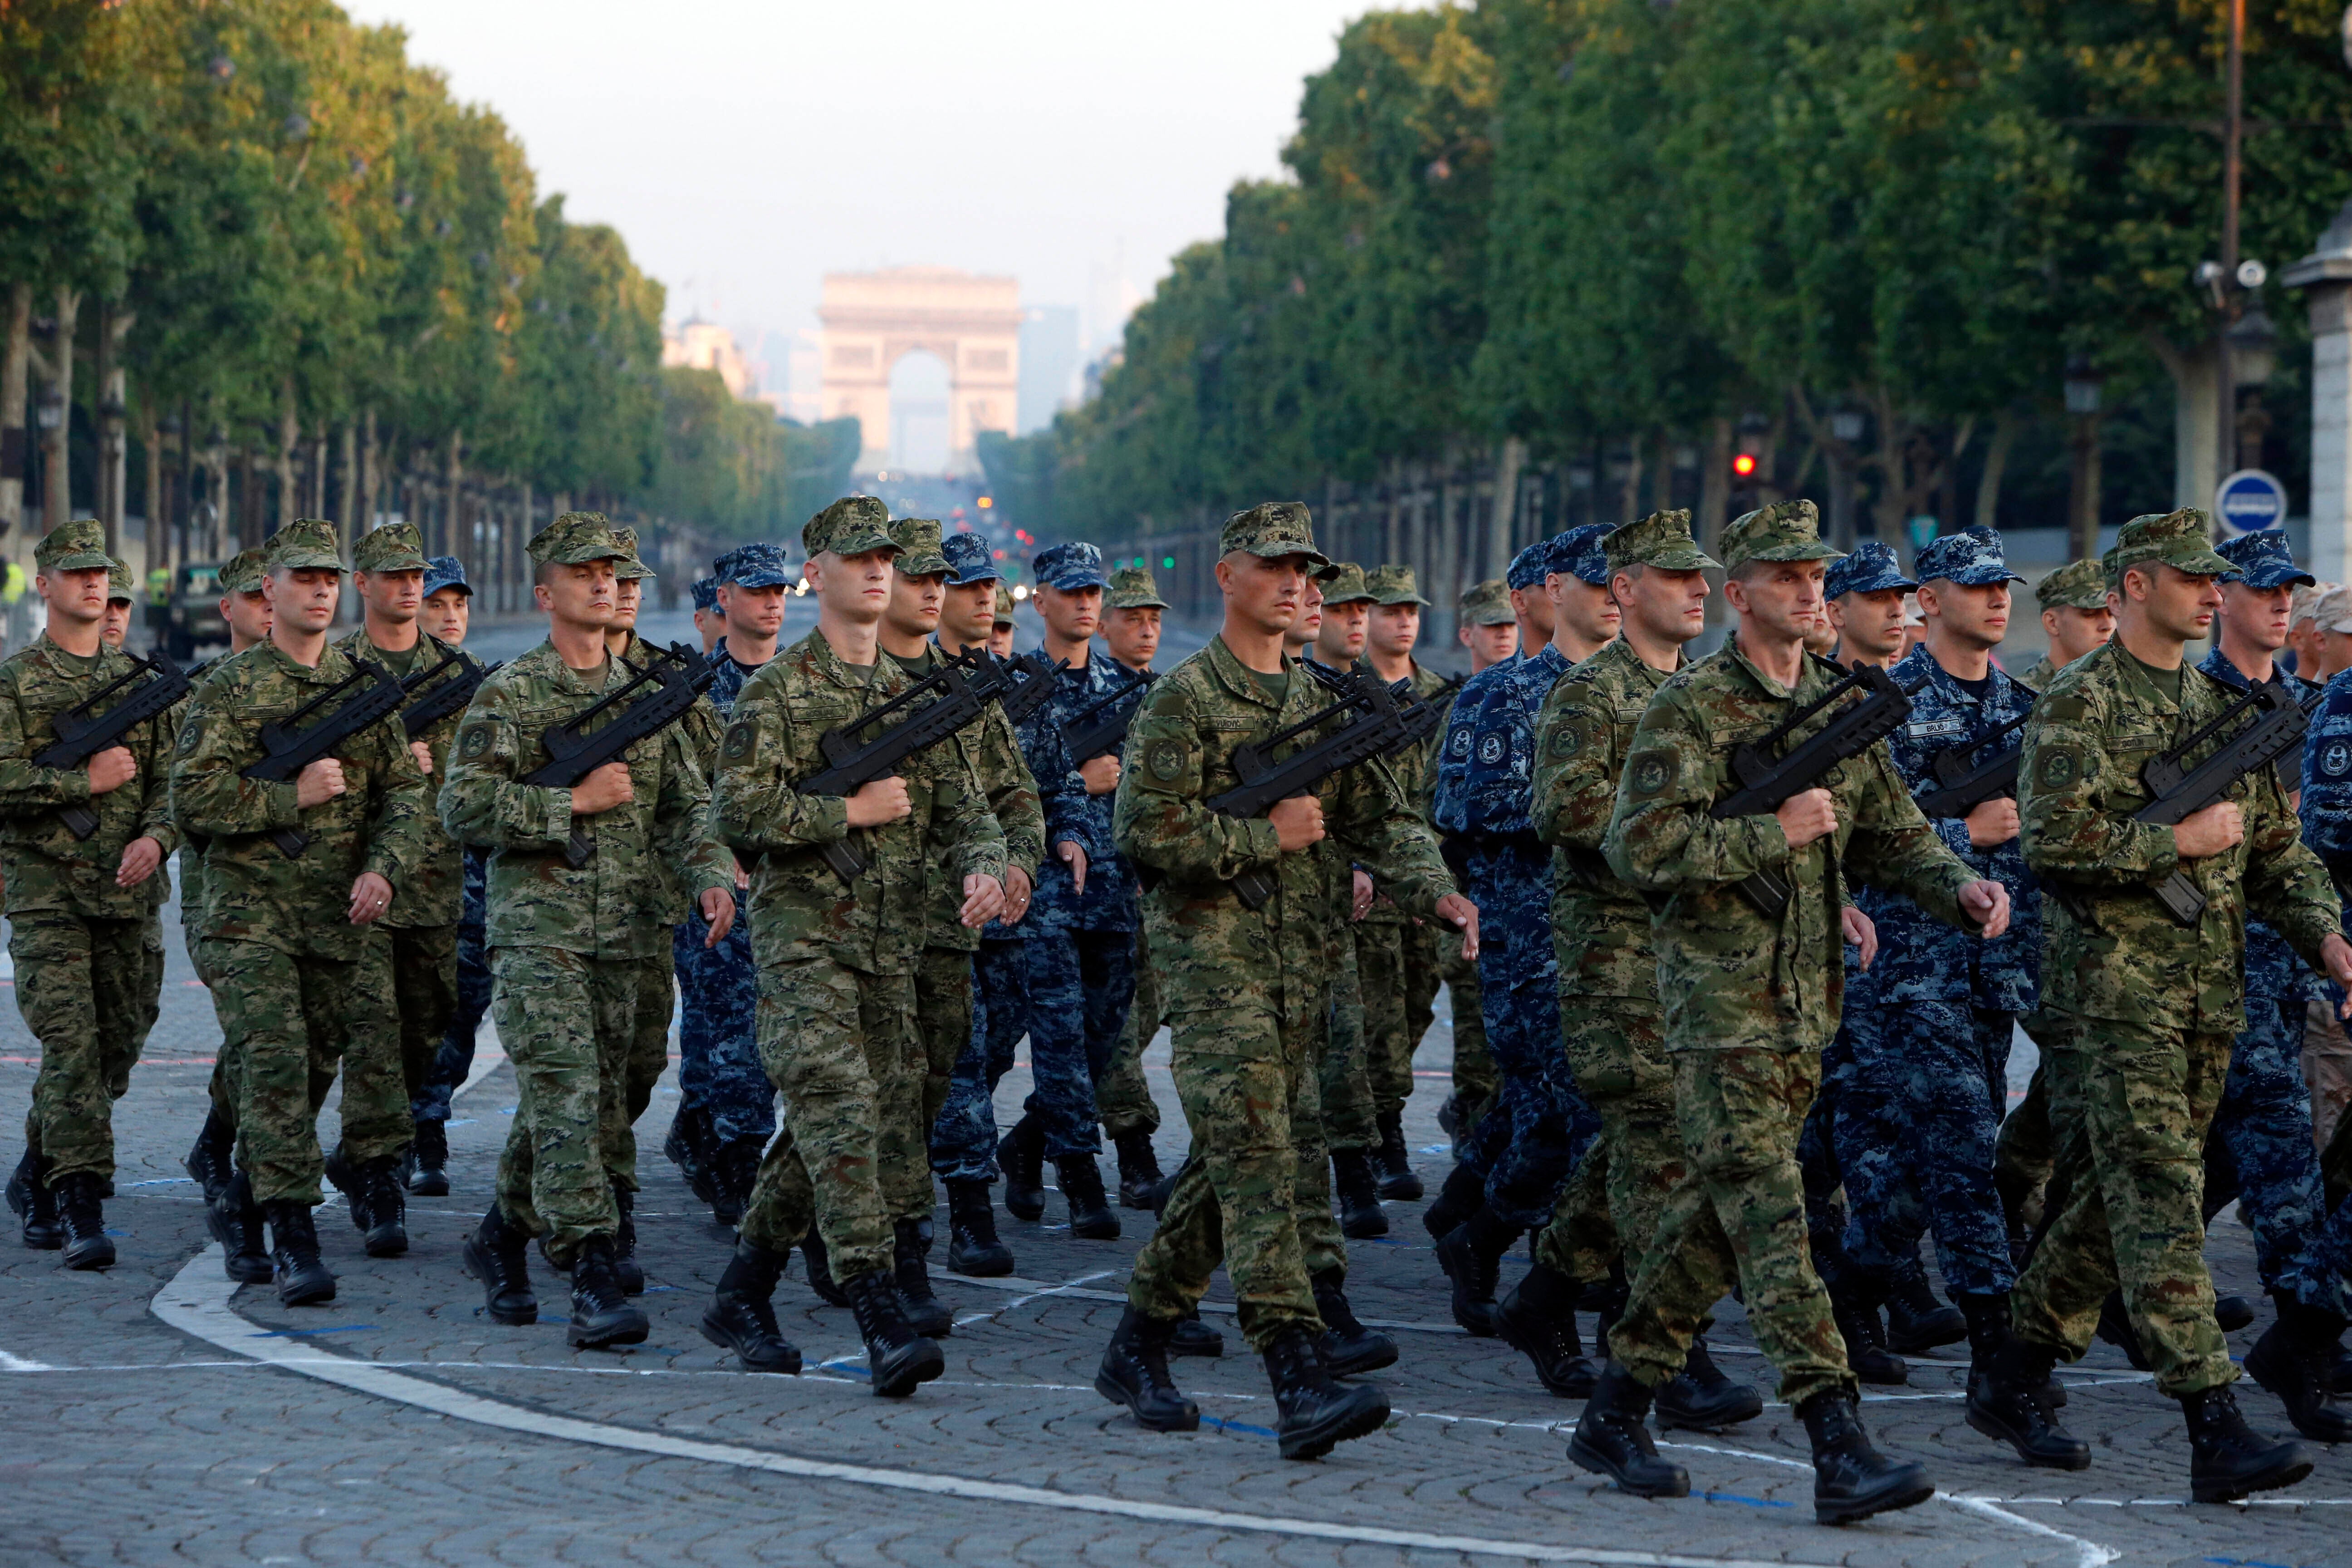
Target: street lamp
(51, 410)
(2254, 348)
(2082, 384)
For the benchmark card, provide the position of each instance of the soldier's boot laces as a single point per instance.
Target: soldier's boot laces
(2007, 1403)
(303, 1276)
(899, 1359)
(1352, 1183)
(625, 1267)
(684, 1147)
(1022, 1157)
(209, 1160)
(385, 1234)
(973, 1248)
(735, 1172)
(30, 1201)
(2226, 1459)
(1134, 1373)
(1458, 1199)
(1537, 1319)
(1317, 1415)
(1194, 1338)
(1139, 1168)
(498, 1255)
(1091, 1215)
(81, 1217)
(1858, 1323)
(1398, 1179)
(1916, 1319)
(1611, 1439)
(1702, 1398)
(2292, 1358)
(910, 1259)
(428, 1175)
(1852, 1479)
(1348, 1348)
(601, 1314)
(1471, 1256)
(820, 1267)
(236, 1223)
(741, 1316)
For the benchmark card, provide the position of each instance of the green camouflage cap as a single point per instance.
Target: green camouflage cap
(1662, 540)
(850, 526)
(1273, 530)
(1003, 605)
(2077, 586)
(2176, 538)
(75, 546)
(917, 539)
(395, 547)
(1785, 530)
(1345, 584)
(242, 572)
(633, 565)
(307, 543)
(1393, 585)
(1133, 588)
(118, 580)
(575, 538)
(1488, 604)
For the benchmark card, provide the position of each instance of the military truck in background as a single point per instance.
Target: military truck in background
(194, 618)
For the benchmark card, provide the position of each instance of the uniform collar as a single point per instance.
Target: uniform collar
(1809, 674)
(1238, 678)
(550, 666)
(334, 663)
(819, 658)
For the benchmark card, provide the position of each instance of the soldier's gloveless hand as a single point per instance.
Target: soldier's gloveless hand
(424, 755)
(318, 783)
(983, 900)
(1073, 854)
(718, 908)
(878, 801)
(601, 791)
(1987, 903)
(110, 769)
(371, 895)
(1100, 774)
(1463, 916)
(1297, 823)
(1806, 817)
(1363, 905)
(2336, 956)
(1993, 823)
(1018, 890)
(139, 858)
(2212, 831)
(1860, 930)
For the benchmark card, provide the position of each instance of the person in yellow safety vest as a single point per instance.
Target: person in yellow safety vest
(15, 610)
(159, 601)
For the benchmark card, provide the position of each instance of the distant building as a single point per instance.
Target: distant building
(705, 345)
(1049, 363)
(972, 324)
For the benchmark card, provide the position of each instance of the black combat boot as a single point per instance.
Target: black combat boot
(1317, 1415)
(2226, 1459)
(688, 1148)
(601, 1314)
(209, 1161)
(1022, 1157)
(29, 1197)
(1360, 1218)
(235, 1222)
(1855, 1311)
(2335, 1368)
(2232, 1313)
(303, 1278)
(1139, 1168)
(973, 1248)
(1349, 1348)
(428, 1155)
(1194, 1338)
(1472, 1257)
(1457, 1199)
(735, 1170)
(626, 1268)
(820, 1267)
(2007, 1401)
(1398, 1178)
(911, 1250)
(1852, 1479)
(1611, 1439)
(2292, 1360)
(1134, 1373)
(1701, 1399)
(81, 1217)
(1091, 1217)
(386, 1233)
(1537, 1319)
(1916, 1319)
(899, 1358)
(741, 1317)
(498, 1255)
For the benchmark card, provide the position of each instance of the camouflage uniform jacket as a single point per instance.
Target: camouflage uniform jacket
(2273, 974)
(46, 866)
(2327, 782)
(2040, 674)
(1212, 950)
(995, 752)
(1921, 959)
(1415, 768)
(619, 905)
(192, 846)
(437, 888)
(800, 907)
(1727, 975)
(1582, 734)
(1108, 902)
(253, 892)
(703, 725)
(2099, 723)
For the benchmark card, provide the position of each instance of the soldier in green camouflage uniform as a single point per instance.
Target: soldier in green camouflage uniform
(300, 969)
(2075, 616)
(83, 936)
(1749, 1001)
(2150, 1005)
(1246, 991)
(567, 943)
(1122, 1099)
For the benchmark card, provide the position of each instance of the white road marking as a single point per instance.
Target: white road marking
(19, 1364)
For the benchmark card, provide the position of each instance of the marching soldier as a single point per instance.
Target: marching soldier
(2076, 617)
(1132, 612)
(447, 615)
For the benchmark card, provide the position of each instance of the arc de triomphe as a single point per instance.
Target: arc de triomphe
(872, 319)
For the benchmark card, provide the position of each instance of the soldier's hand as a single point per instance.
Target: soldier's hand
(1073, 854)
(1861, 930)
(318, 783)
(879, 801)
(1807, 816)
(601, 791)
(1297, 823)
(1987, 903)
(139, 858)
(984, 901)
(110, 769)
(371, 895)
(719, 911)
(1363, 905)
(1463, 916)
(1993, 822)
(2212, 831)
(2336, 957)
(424, 755)
(1018, 890)
(1101, 774)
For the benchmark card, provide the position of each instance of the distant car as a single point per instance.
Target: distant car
(195, 617)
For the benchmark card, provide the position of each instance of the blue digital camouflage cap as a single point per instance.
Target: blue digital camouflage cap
(1580, 554)
(706, 592)
(1529, 565)
(969, 560)
(1971, 558)
(446, 572)
(1070, 566)
(2264, 560)
(1870, 568)
(754, 565)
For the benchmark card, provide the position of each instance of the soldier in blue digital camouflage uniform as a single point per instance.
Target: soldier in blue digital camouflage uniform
(455, 1060)
(1540, 1122)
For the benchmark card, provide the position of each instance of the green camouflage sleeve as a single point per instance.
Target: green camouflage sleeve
(2064, 774)
(483, 801)
(1378, 830)
(1660, 835)
(1158, 818)
(682, 824)
(27, 790)
(397, 840)
(960, 814)
(1892, 846)
(154, 752)
(2286, 885)
(753, 802)
(1575, 768)
(210, 795)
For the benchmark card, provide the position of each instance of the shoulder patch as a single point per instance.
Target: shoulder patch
(2057, 767)
(2336, 759)
(1650, 772)
(1165, 758)
(1458, 744)
(475, 744)
(2067, 709)
(742, 739)
(191, 735)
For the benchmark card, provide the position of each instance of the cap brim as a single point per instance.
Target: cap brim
(1491, 618)
(2281, 579)
(2199, 561)
(433, 588)
(1678, 558)
(912, 566)
(1129, 602)
(1284, 552)
(862, 544)
(1802, 550)
(306, 560)
(79, 561)
(398, 564)
(1402, 599)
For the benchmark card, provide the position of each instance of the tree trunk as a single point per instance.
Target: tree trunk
(352, 523)
(289, 449)
(1502, 534)
(15, 442)
(1714, 488)
(457, 473)
(57, 470)
(2004, 435)
(318, 507)
(249, 501)
(113, 454)
(159, 525)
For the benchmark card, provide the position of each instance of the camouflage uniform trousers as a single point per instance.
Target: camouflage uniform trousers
(641, 1069)
(90, 991)
(2027, 1150)
(424, 978)
(1342, 1090)
(1081, 984)
(286, 1023)
(2260, 1152)
(1388, 1045)
(1122, 1098)
(1915, 1131)
(718, 1069)
(841, 1045)
(568, 1022)
(943, 1019)
(1255, 1194)
(1737, 1217)
(1430, 961)
(964, 1134)
(453, 1063)
(2131, 1107)
(1611, 1207)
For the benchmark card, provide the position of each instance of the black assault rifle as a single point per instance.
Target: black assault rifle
(1959, 788)
(1763, 779)
(289, 745)
(679, 676)
(1425, 713)
(81, 736)
(1105, 735)
(1020, 699)
(445, 698)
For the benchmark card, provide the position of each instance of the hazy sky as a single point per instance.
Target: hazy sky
(746, 147)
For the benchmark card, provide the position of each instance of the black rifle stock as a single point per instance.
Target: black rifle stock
(1106, 734)
(449, 697)
(82, 732)
(289, 745)
(679, 676)
(1020, 699)
(1960, 788)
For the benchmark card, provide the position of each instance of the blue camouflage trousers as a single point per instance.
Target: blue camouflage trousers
(963, 1136)
(1081, 984)
(1529, 1142)
(455, 1060)
(718, 1069)
(2260, 1152)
